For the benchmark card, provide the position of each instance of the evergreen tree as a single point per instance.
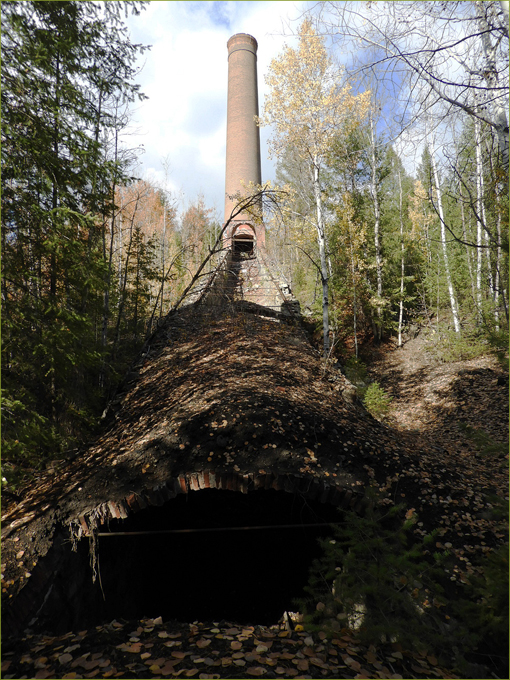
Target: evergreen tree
(64, 63)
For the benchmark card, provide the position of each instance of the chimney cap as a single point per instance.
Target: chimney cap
(241, 41)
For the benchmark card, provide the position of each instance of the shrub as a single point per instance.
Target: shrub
(378, 577)
(376, 401)
(483, 441)
(445, 345)
(372, 577)
(355, 371)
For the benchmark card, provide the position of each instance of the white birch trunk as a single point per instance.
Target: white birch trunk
(354, 299)
(321, 240)
(402, 263)
(491, 78)
(453, 300)
(479, 227)
(465, 238)
(377, 223)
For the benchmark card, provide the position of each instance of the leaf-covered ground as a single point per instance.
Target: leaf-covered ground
(456, 415)
(250, 395)
(151, 648)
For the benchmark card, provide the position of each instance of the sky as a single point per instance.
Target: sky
(183, 122)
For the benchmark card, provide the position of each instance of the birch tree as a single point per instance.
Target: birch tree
(451, 291)
(453, 50)
(307, 106)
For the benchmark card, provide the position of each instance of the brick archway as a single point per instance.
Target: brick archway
(244, 239)
(312, 488)
(62, 572)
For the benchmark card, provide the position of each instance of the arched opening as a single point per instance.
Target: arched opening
(208, 555)
(243, 242)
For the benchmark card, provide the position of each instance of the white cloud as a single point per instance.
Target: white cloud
(185, 77)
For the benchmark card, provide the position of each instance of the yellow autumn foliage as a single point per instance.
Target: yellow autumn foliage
(306, 103)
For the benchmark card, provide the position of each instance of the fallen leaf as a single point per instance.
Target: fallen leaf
(318, 662)
(169, 667)
(419, 669)
(202, 643)
(256, 670)
(370, 657)
(65, 658)
(352, 663)
(236, 645)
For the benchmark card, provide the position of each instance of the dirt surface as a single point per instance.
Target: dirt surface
(431, 399)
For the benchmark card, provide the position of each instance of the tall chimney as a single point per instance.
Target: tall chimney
(243, 138)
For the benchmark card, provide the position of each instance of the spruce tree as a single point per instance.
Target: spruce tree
(64, 63)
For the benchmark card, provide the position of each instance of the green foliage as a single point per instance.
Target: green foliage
(25, 433)
(377, 577)
(376, 401)
(482, 613)
(484, 442)
(355, 371)
(66, 68)
(373, 577)
(445, 345)
(498, 344)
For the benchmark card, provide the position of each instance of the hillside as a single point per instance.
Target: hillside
(278, 394)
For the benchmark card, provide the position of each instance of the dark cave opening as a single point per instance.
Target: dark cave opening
(207, 555)
(243, 244)
(216, 570)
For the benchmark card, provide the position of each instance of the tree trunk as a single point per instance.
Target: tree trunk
(402, 262)
(491, 78)
(479, 202)
(453, 300)
(321, 240)
(377, 224)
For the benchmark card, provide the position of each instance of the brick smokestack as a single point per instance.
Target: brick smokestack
(243, 138)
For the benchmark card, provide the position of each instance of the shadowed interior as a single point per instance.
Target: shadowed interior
(243, 243)
(209, 555)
